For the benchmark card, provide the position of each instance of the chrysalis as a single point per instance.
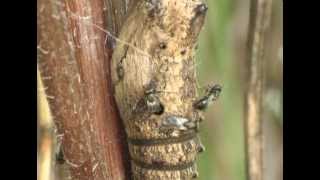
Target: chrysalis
(153, 73)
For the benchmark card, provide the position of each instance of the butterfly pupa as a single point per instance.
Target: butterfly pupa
(157, 45)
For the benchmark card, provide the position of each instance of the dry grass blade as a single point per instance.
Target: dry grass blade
(46, 143)
(260, 15)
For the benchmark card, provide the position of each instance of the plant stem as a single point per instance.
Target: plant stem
(45, 146)
(74, 64)
(260, 15)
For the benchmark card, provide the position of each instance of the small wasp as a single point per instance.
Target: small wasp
(150, 101)
(212, 93)
(173, 125)
(179, 123)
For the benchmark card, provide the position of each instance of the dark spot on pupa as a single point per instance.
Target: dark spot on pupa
(111, 42)
(166, 132)
(164, 68)
(160, 111)
(183, 52)
(201, 148)
(201, 9)
(158, 162)
(199, 117)
(137, 128)
(162, 45)
(120, 71)
(60, 157)
(195, 174)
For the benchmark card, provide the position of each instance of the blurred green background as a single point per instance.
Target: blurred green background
(221, 59)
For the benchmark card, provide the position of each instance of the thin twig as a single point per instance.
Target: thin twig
(46, 143)
(260, 15)
(111, 35)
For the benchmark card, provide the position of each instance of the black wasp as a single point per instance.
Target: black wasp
(212, 94)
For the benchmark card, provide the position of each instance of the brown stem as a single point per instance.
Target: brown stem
(74, 65)
(260, 14)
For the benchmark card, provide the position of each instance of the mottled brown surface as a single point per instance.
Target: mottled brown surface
(157, 46)
(141, 173)
(175, 154)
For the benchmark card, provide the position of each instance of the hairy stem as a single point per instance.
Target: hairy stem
(74, 64)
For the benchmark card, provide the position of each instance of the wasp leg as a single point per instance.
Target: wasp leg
(201, 148)
(214, 91)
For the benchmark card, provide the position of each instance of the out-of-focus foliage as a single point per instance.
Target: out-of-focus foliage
(221, 59)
